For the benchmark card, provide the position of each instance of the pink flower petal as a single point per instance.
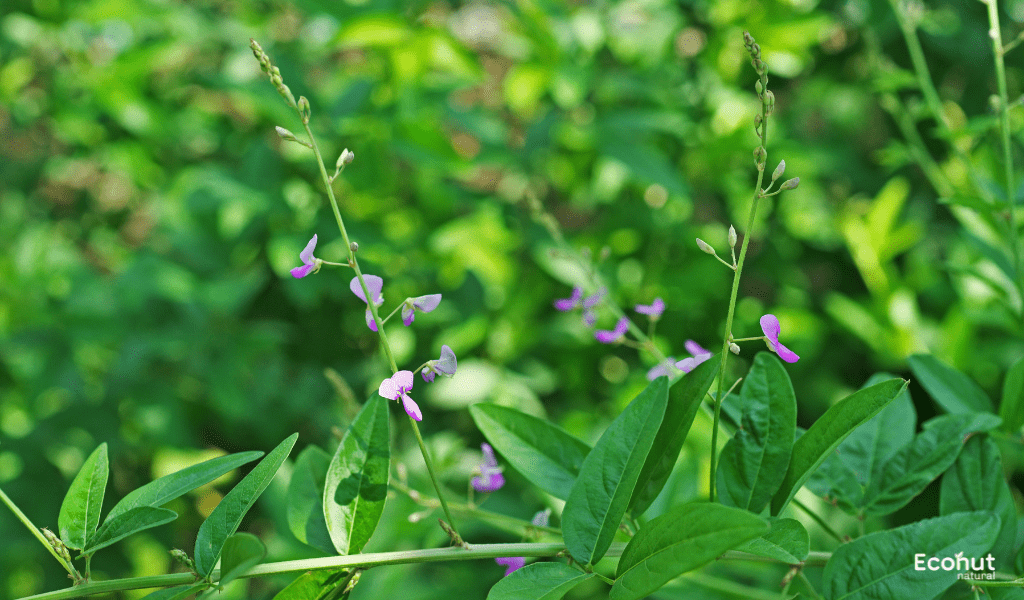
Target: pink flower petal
(572, 302)
(593, 299)
(373, 283)
(653, 310)
(389, 389)
(427, 303)
(408, 315)
(411, 408)
(404, 379)
(307, 253)
(428, 374)
(488, 482)
(369, 320)
(300, 272)
(786, 354)
(512, 562)
(771, 328)
(447, 364)
(694, 348)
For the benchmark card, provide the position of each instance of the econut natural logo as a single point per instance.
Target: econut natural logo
(972, 568)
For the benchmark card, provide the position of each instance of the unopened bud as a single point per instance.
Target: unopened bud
(57, 544)
(705, 247)
(790, 184)
(769, 100)
(354, 247)
(759, 88)
(304, 109)
(748, 40)
(181, 557)
(346, 157)
(732, 236)
(734, 348)
(760, 154)
(779, 170)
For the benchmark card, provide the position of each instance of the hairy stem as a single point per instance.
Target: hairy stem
(35, 531)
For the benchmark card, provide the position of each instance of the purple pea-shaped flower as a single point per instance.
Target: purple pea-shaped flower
(771, 328)
(397, 387)
(606, 336)
(421, 303)
(512, 562)
(310, 263)
(446, 365)
(490, 478)
(376, 286)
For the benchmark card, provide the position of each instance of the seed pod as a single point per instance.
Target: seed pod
(791, 184)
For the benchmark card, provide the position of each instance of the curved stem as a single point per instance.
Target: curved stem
(35, 531)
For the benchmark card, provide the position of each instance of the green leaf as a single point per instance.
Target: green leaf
(167, 488)
(686, 537)
(357, 479)
(542, 452)
(787, 541)
(829, 431)
(312, 585)
(881, 565)
(539, 581)
(754, 462)
(80, 513)
(917, 464)
(685, 398)
(127, 523)
(976, 482)
(1011, 409)
(176, 593)
(950, 388)
(860, 458)
(598, 499)
(227, 515)
(242, 551)
(306, 499)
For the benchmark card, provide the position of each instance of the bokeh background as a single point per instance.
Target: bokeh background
(149, 216)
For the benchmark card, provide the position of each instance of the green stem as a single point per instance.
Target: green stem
(807, 582)
(511, 524)
(433, 478)
(821, 522)
(35, 531)
(729, 587)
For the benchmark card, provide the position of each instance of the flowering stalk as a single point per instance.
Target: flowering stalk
(303, 110)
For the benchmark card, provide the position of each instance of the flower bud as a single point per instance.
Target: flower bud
(304, 109)
(760, 154)
(758, 87)
(346, 157)
(790, 184)
(354, 247)
(732, 236)
(779, 170)
(769, 101)
(734, 348)
(705, 247)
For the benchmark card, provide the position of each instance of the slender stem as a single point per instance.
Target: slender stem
(821, 522)
(810, 588)
(387, 318)
(511, 523)
(35, 531)
(433, 477)
(604, 579)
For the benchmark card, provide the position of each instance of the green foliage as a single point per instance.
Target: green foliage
(951, 389)
(1011, 409)
(242, 551)
(125, 524)
(180, 592)
(80, 512)
(306, 516)
(314, 584)
(787, 541)
(539, 581)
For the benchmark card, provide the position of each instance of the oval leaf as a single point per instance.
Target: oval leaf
(598, 499)
(539, 581)
(951, 389)
(312, 585)
(787, 541)
(754, 462)
(542, 452)
(1011, 409)
(167, 488)
(357, 479)
(829, 431)
(227, 515)
(306, 499)
(242, 551)
(684, 538)
(685, 398)
(127, 523)
(882, 565)
(80, 512)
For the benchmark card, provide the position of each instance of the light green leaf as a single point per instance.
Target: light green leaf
(127, 523)
(685, 538)
(951, 389)
(685, 398)
(312, 585)
(357, 479)
(542, 452)
(242, 551)
(306, 499)
(167, 488)
(787, 541)
(539, 581)
(909, 471)
(80, 512)
(1011, 409)
(882, 565)
(754, 462)
(176, 593)
(977, 482)
(227, 515)
(598, 499)
(829, 431)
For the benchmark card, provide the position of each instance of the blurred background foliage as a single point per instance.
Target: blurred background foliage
(149, 216)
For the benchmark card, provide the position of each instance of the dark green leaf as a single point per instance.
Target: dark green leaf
(539, 581)
(167, 488)
(829, 431)
(951, 389)
(754, 462)
(80, 513)
(542, 452)
(787, 541)
(997, 255)
(977, 482)
(357, 479)
(861, 457)
(684, 538)
(227, 515)
(306, 499)
(312, 585)
(1011, 409)
(127, 523)
(598, 499)
(882, 565)
(176, 593)
(685, 398)
(917, 464)
(242, 551)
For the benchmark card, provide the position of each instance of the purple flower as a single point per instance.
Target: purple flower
(771, 328)
(398, 387)
(577, 300)
(606, 336)
(541, 518)
(422, 303)
(490, 479)
(512, 562)
(567, 304)
(375, 285)
(661, 370)
(699, 355)
(654, 310)
(310, 263)
(446, 365)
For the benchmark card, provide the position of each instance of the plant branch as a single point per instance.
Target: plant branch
(35, 531)
(817, 519)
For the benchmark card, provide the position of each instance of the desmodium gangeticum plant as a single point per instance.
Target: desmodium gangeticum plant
(619, 531)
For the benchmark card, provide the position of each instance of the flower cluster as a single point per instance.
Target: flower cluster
(577, 301)
(686, 365)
